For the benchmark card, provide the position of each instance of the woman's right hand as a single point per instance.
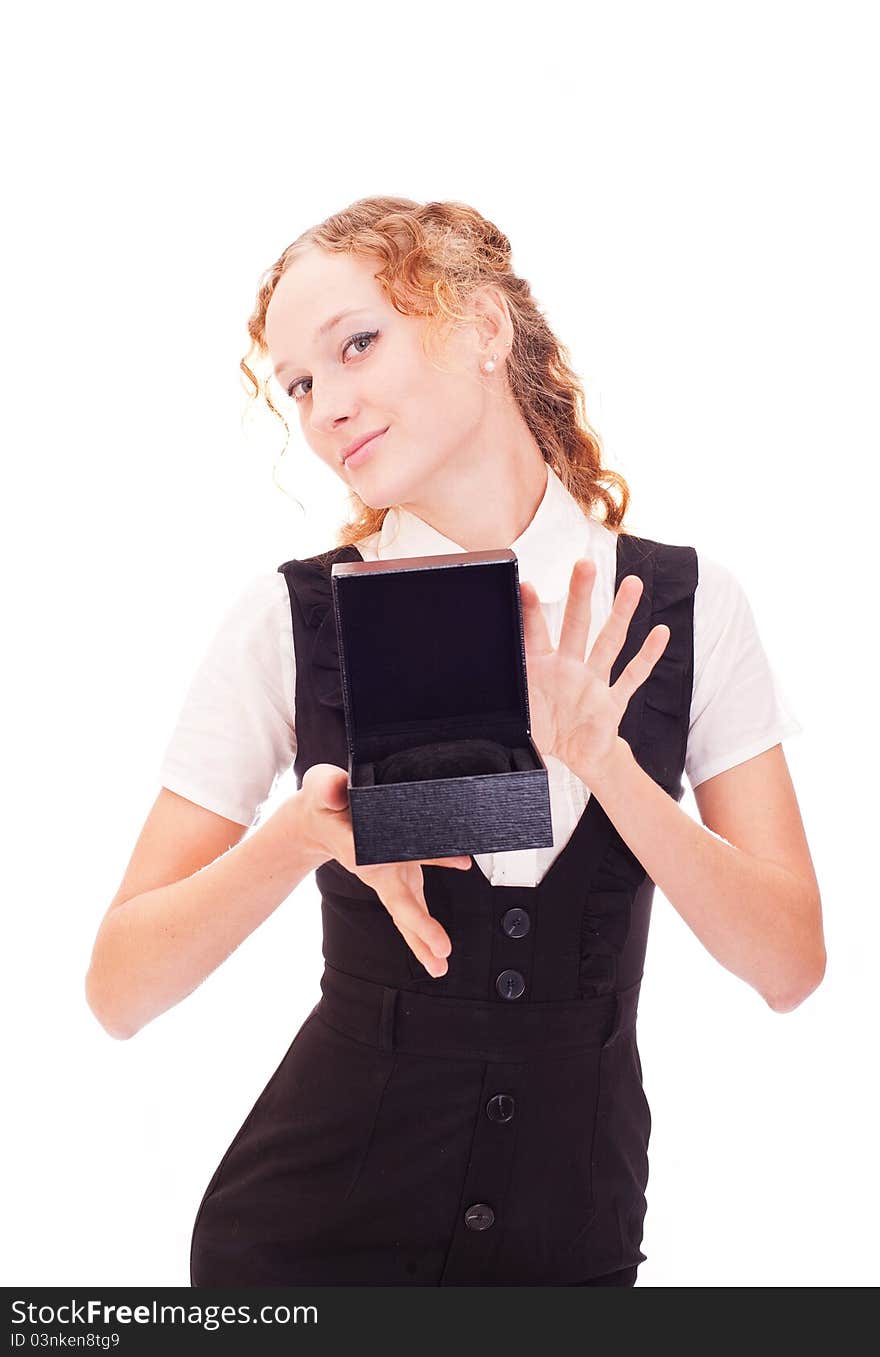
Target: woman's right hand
(323, 800)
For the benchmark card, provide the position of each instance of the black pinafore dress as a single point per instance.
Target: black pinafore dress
(487, 1128)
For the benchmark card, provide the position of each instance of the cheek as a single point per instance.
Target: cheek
(436, 403)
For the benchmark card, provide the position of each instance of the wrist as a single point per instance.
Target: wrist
(295, 823)
(606, 773)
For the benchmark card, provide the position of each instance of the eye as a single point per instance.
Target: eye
(354, 339)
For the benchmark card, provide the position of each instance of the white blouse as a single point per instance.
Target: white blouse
(235, 735)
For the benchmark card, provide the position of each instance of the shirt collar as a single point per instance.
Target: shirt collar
(546, 550)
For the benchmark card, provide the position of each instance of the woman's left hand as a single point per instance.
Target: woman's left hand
(575, 714)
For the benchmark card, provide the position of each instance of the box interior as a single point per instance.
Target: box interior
(430, 654)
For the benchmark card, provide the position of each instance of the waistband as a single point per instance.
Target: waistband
(471, 1029)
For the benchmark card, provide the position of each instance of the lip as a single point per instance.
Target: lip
(354, 453)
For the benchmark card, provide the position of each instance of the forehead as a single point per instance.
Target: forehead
(311, 290)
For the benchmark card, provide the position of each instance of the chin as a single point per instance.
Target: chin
(374, 498)
(380, 491)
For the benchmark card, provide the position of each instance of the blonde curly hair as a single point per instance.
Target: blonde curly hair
(432, 256)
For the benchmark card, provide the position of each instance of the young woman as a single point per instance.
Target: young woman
(464, 1105)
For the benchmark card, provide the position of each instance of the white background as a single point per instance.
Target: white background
(690, 190)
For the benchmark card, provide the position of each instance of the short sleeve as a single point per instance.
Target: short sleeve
(235, 731)
(738, 705)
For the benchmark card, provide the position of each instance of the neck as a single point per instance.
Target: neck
(486, 496)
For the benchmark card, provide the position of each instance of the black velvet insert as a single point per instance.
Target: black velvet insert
(423, 648)
(447, 758)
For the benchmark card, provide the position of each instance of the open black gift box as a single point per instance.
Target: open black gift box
(433, 669)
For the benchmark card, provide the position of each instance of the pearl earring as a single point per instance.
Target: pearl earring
(489, 365)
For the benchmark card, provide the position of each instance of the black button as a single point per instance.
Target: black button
(500, 1108)
(510, 984)
(479, 1217)
(516, 923)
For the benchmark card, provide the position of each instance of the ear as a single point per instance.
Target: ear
(492, 323)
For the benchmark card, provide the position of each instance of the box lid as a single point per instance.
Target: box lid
(431, 646)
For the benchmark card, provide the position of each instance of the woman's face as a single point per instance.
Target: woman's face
(368, 373)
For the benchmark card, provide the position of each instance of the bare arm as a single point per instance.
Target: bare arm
(743, 881)
(163, 935)
(192, 892)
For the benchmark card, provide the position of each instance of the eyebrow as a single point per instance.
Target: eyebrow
(325, 329)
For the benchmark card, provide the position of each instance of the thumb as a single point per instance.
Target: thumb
(328, 784)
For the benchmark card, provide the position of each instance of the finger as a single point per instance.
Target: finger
(408, 909)
(576, 619)
(608, 644)
(535, 633)
(435, 966)
(641, 665)
(457, 861)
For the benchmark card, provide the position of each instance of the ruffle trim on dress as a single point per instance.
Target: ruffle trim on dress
(311, 579)
(661, 743)
(667, 690)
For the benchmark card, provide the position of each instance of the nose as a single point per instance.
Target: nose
(332, 406)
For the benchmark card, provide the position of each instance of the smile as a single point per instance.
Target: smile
(364, 450)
